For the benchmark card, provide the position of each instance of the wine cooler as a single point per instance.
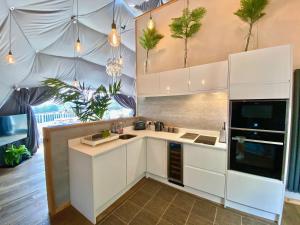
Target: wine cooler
(175, 163)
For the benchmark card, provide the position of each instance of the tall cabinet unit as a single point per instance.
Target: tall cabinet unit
(263, 75)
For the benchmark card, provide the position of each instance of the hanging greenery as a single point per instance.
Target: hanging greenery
(250, 12)
(87, 104)
(148, 41)
(186, 26)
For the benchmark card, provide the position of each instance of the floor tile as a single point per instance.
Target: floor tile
(252, 221)
(127, 211)
(164, 222)
(145, 218)
(151, 186)
(184, 201)
(198, 220)
(157, 205)
(167, 193)
(227, 217)
(112, 220)
(205, 209)
(175, 215)
(140, 198)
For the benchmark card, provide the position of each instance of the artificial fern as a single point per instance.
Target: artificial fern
(187, 25)
(85, 108)
(148, 41)
(250, 12)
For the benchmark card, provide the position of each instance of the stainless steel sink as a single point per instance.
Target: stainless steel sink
(126, 136)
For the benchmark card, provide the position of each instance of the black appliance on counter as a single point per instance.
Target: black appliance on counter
(175, 163)
(159, 126)
(257, 137)
(140, 125)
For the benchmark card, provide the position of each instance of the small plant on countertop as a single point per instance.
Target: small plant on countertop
(87, 104)
(186, 26)
(250, 12)
(13, 156)
(148, 41)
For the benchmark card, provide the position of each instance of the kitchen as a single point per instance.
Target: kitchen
(251, 92)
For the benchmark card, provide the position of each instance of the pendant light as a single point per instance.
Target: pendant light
(10, 57)
(77, 44)
(114, 38)
(151, 23)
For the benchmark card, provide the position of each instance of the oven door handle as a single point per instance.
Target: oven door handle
(257, 141)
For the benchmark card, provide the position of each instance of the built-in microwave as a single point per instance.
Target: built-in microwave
(257, 137)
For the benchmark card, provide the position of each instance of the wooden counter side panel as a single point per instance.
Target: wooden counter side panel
(56, 158)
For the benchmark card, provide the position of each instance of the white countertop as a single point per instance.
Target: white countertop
(76, 145)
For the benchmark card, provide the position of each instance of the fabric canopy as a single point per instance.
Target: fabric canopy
(43, 37)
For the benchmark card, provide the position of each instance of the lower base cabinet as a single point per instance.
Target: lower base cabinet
(255, 191)
(157, 157)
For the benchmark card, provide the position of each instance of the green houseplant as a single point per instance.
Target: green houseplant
(187, 26)
(13, 156)
(87, 104)
(148, 41)
(250, 12)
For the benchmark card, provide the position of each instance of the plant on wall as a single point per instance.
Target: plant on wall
(87, 104)
(186, 26)
(250, 12)
(148, 41)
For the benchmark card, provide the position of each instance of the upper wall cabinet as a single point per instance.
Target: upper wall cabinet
(261, 74)
(209, 77)
(174, 82)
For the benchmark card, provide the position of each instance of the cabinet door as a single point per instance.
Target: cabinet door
(209, 77)
(269, 65)
(255, 191)
(205, 158)
(157, 157)
(109, 173)
(136, 160)
(148, 84)
(174, 82)
(203, 180)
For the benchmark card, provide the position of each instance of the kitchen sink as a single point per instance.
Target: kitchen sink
(126, 136)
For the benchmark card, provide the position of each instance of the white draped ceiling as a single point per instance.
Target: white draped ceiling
(43, 38)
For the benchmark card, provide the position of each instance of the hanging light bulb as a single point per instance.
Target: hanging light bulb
(151, 23)
(114, 38)
(121, 61)
(10, 58)
(78, 45)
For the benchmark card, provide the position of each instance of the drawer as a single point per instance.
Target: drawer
(210, 182)
(205, 158)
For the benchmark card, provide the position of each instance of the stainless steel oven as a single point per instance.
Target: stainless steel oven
(257, 137)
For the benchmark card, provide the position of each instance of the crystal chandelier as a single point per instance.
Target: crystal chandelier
(114, 66)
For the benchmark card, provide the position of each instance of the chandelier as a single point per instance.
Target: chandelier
(114, 66)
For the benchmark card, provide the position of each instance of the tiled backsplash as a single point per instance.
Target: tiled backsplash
(205, 111)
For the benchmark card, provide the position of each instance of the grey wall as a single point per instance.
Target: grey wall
(201, 111)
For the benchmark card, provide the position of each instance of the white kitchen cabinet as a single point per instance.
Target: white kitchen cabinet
(96, 181)
(261, 74)
(136, 160)
(157, 157)
(174, 81)
(109, 175)
(204, 180)
(254, 191)
(205, 158)
(148, 84)
(208, 77)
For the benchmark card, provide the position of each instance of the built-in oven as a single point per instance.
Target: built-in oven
(257, 137)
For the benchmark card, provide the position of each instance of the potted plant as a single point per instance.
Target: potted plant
(250, 12)
(148, 41)
(13, 156)
(187, 26)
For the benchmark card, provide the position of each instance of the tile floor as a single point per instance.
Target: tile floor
(155, 203)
